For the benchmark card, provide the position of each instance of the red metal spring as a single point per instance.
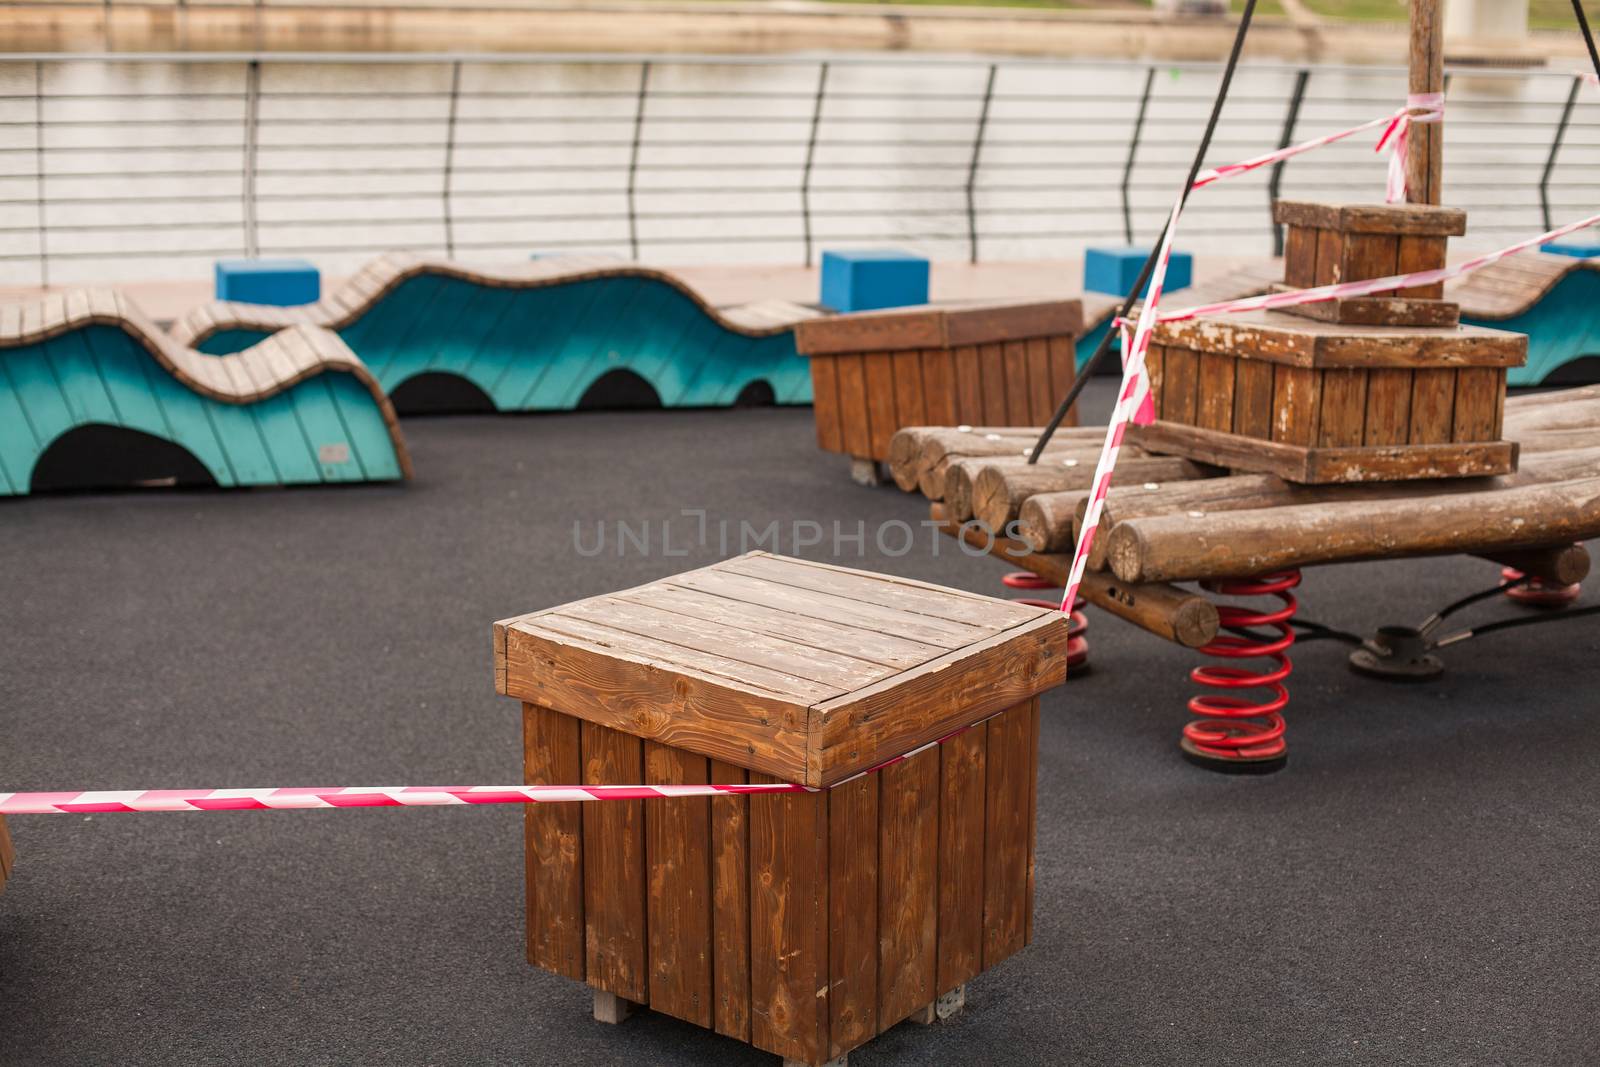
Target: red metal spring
(1538, 593)
(1077, 622)
(1236, 730)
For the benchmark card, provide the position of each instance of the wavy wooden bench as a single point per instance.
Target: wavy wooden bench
(1550, 298)
(537, 336)
(296, 408)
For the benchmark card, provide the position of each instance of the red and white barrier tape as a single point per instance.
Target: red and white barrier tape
(404, 796)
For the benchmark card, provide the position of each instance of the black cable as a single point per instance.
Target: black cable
(1099, 356)
(1588, 38)
(1527, 620)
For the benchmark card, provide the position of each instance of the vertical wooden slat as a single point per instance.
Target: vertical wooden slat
(1500, 403)
(1300, 257)
(1296, 397)
(853, 914)
(1344, 407)
(678, 862)
(613, 867)
(1388, 407)
(939, 387)
(879, 367)
(1330, 256)
(825, 402)
(908, 875)
(1419, 252)
(1214, 409)
(1009, 790)
(553, 843)
(1180, 388)
(1433, 399)
(992, 371)
(789, 923)
(1477, 403)
(1063, 372)
(1252, 398)
(853, 422)
(1033, 810)
(8, 855)
(962, 783)
(730, 905)
(1370, 255)
(910, 406)
(1041, 396)
(968, 369)
(1016, 358)
(1155, 369)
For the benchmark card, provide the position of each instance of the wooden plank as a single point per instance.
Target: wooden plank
(1180, 389)
(939, 387)
(853, 913)
(1293, 340)
(825, 403)
(1008, 823)
(1344, 407)
(874, 331)
(789, 962)
(1330, 256)
(1012, 322)
(1373, 218)
(962, 789)
(1033, 813)
(1155, 370)
(1369, 255)
(677, 707)
(908, 905)
(992, 372)
(614, 867)
(553, 843)
(1300, 257)
(1477, 409)
(1433, 397)
(910, 405)
(1042, 397)
(1214, 407)
(855, 426)
(1252, 398)
(1016, 367)
(1296, 404)
(1416, 252)
(1388, 419)
(678, 861)
(970, 408)
(730, 905)
(8, 854)
(1063, 372)
(879, 370)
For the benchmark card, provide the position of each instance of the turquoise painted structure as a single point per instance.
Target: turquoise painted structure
(537, 343)
(283, 282)
(1562, 326)
(330, 426)
(869, 279)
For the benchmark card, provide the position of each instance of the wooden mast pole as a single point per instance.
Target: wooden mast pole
(1425, 141)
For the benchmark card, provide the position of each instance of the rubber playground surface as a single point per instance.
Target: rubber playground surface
(1421, 885)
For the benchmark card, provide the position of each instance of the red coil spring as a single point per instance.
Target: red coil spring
(1236, 730)
(1077, 622)
(1538, 593)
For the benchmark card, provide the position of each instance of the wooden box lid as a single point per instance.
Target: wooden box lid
(802, 670)
(1302, 342)
(936, 326)
(1427, 219)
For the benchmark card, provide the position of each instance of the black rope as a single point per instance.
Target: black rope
(1588, 38)
(1150, 261)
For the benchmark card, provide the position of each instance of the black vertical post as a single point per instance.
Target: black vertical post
(972, 165)
(1290, 118)
(252, 114)
(633, 159)
(1555, 150)
(38, 169)
(811, 152)
(1133, 150)
(449, 160)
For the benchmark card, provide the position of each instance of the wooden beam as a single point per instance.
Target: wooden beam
(1425, 148)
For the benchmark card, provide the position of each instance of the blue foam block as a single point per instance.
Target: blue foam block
(861, 279)
(284, 282)
(1114, 269)
(1579, 249)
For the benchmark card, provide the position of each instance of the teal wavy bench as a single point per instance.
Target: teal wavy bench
(537, 336)
(1555, 300)
(294, 409)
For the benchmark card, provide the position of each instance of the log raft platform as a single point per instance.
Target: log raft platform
(802, 923)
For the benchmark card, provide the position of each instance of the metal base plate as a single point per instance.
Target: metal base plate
(1232, 764)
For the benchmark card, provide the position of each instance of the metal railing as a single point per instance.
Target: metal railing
(156, 165)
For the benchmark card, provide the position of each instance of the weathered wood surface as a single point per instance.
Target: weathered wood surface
(553, 835)
(1559, 564)
(919, 455)
(1425, 63)
(1514, 285)
(998, 491)
(1290, 340)
(8, 854)
(1175, 614)
(783, 666)
(937, 326)
(1231, 543)
(1414, 218)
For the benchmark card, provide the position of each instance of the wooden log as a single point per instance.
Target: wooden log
(1236, 543)
(1560, 564)
(1045, 522)
(926, 469)
(935, 480)
(1175, 614)
(1425, 148)
(998, 491)
(1556, 440)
